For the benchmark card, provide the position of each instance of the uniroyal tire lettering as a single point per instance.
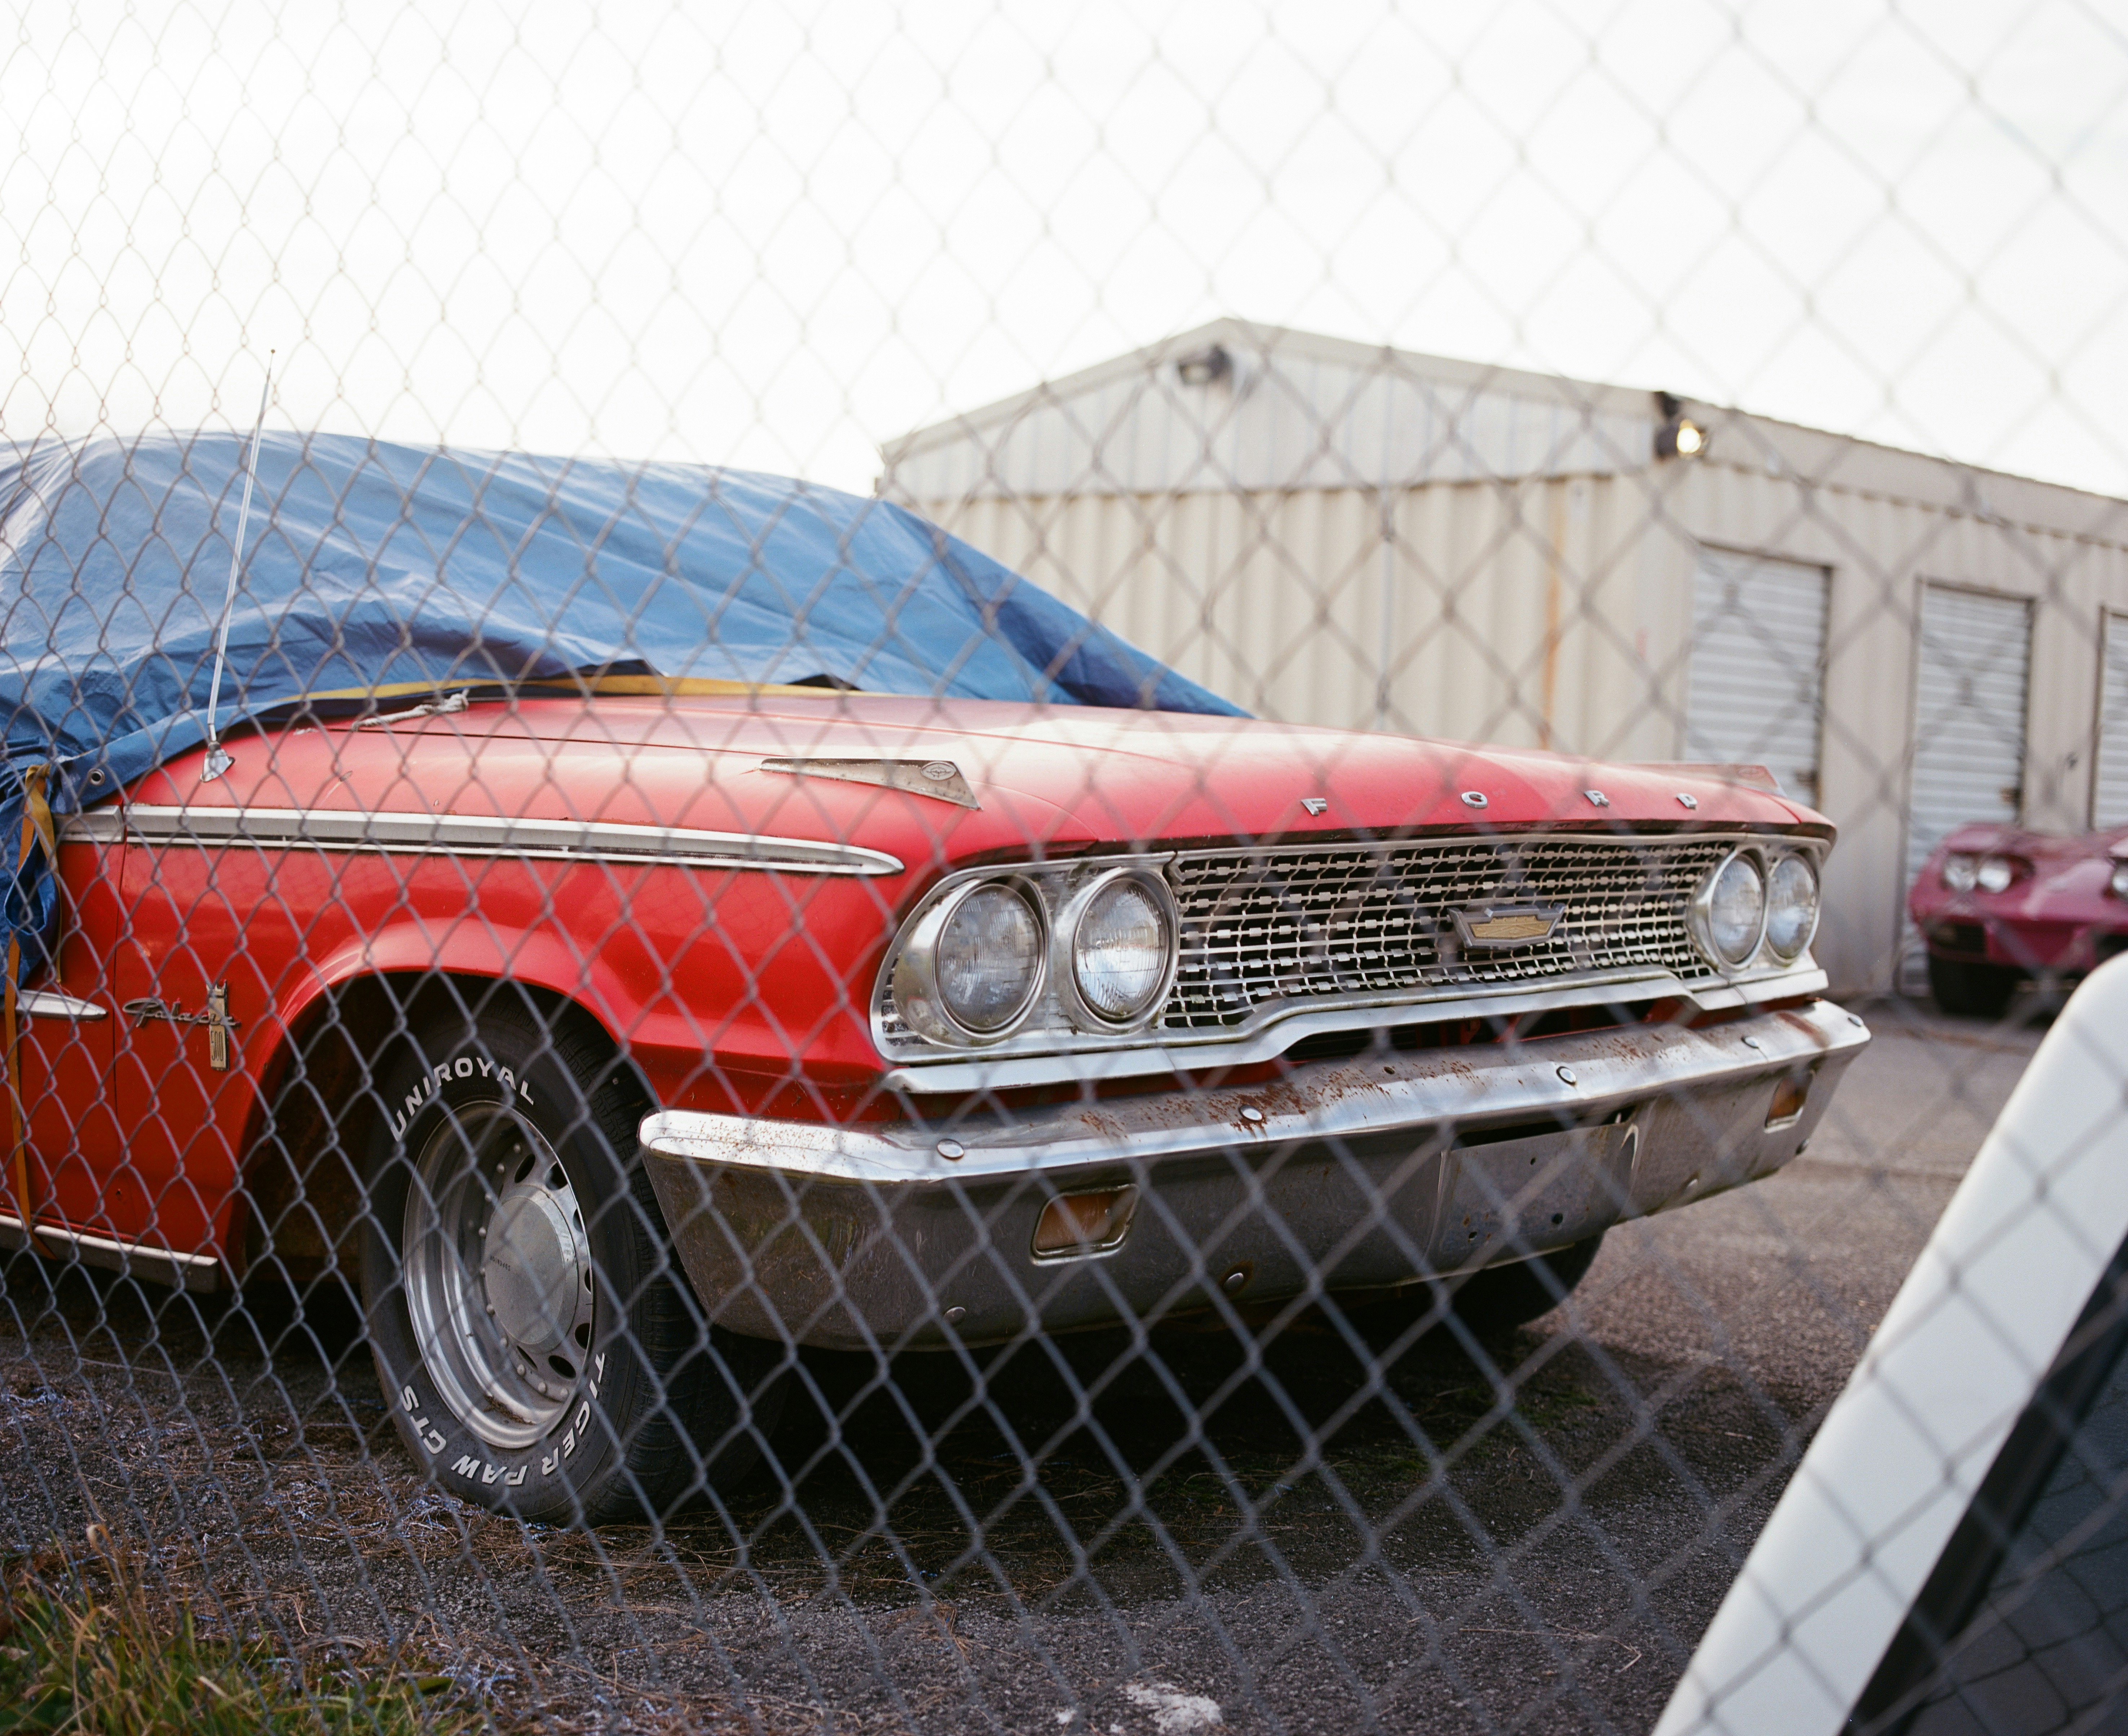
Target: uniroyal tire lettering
(515, 1477)
(488, 1473)
(466, 1464)
(432, 1441)
(547, 1465)
(407, 1401)
(442, 1073)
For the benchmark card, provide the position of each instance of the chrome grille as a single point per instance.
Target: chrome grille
(1260, 926)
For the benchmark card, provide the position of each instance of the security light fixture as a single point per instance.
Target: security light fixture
(1205, 367)
(1679, 437)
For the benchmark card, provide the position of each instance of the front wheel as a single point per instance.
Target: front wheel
(538, 1349)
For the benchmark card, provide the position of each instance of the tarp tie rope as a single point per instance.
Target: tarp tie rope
(36, 830)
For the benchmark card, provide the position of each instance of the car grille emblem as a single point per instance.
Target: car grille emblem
(1315, 804)
(1507, 925)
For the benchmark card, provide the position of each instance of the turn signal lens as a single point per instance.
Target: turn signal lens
(2118, 885)
(1790, 1094)
(1735, 907)
(1790, 906)
(1960, 871)
(1086, 1223)
(1120, 951)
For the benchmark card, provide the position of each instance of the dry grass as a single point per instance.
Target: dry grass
(85, 1647)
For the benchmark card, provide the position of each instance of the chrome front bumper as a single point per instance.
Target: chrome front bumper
(1369, 1171)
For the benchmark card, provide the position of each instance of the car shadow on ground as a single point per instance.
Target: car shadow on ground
(1173, 1456)
(1487, 1495)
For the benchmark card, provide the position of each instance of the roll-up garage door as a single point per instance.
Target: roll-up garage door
(2109, 799)
(1968, 715)
(1756, 681)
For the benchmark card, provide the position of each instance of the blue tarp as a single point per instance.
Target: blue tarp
(368, 566)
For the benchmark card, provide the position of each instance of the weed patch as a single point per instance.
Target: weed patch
(84, 1649)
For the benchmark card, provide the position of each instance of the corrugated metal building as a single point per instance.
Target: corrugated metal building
(1335, 533)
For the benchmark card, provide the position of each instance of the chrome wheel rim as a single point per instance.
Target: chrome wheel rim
(498, 1273)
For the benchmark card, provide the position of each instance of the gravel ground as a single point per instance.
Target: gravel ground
(1528, 1534)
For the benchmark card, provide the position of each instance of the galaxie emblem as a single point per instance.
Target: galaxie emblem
(1507, 925)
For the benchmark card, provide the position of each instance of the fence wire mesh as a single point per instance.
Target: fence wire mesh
(982, 874)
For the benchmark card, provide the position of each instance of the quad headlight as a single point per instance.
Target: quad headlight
(1758, 902)
(1964, 872)
(1122, 931)
(989, 959)
(1996, 873)
(1064, 948)
(1732, 907)
(1791, 907)
(975, 963)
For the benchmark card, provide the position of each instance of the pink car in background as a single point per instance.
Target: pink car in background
(1997, 905)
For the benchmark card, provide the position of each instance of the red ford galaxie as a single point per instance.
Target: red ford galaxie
(908, 1024)
(615, 1033)
(1997, 906)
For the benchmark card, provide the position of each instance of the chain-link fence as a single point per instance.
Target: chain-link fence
(1047, 869)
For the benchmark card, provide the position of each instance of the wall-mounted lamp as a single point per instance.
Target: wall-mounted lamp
(1678, 436)
(1204, 367)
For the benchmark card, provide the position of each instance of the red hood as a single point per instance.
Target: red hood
(1981, 838)
(1051, 777)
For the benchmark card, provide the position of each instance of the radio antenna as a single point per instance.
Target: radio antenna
(218, 759)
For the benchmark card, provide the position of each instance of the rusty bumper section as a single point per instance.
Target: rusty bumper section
(1351, 1175)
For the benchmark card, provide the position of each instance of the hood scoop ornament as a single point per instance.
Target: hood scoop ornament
(939, 778)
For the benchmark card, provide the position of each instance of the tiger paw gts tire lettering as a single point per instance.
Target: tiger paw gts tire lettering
(544, 1356)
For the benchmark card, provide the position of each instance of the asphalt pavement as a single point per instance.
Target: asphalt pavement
(1158, 1534)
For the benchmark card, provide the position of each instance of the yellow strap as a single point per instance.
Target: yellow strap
(618, 686)
(36, 829)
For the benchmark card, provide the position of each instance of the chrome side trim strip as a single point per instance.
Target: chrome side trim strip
(50, 1003)
(166, 1265)
(452, 834)
(97, 825)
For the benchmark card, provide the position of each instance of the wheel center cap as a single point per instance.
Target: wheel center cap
(529, 1269)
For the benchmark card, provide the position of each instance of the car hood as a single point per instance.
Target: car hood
(1041, 779)
(1980, 838)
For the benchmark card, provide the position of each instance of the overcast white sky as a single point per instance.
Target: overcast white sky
(776, 234)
